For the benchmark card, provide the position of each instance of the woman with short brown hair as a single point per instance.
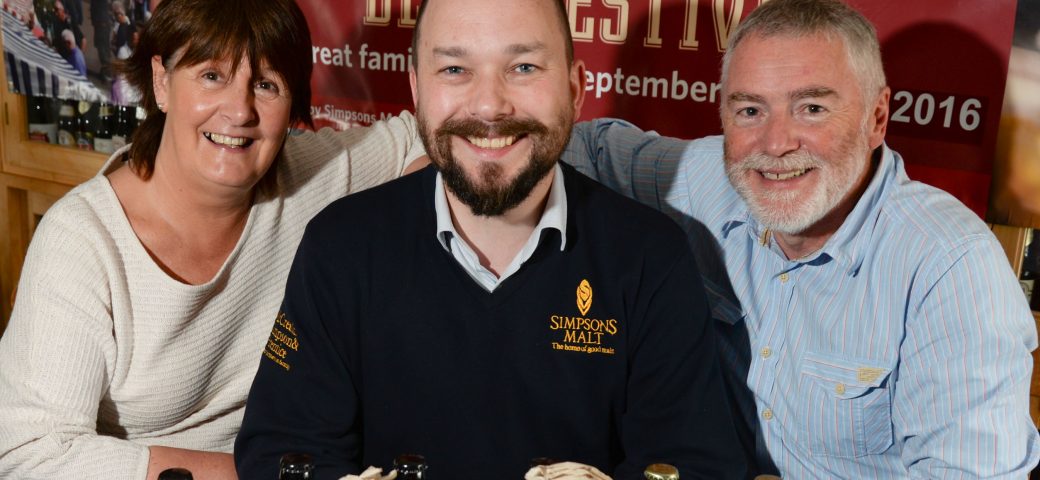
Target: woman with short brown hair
(148, 292)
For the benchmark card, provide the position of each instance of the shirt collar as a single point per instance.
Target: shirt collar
(848, 244)
(554, 215)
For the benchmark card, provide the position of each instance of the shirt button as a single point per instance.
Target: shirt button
(784, 277)
(840, 389)
(766, 352)
(767, 414)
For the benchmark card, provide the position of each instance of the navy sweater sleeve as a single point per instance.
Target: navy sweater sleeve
(677, 411)
(304, 399)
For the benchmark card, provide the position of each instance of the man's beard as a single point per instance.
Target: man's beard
(795, 211)
(490, 194)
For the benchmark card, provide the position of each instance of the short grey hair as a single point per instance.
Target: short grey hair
(808, 17)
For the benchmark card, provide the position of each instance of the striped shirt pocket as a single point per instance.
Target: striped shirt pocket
(848, 412)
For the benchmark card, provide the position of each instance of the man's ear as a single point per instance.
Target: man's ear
(160, 81)
(411, 81)
(879, 118)
(577, 81)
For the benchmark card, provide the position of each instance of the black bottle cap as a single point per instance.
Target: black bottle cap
(410, 462)
(296, 465)
(175, 474)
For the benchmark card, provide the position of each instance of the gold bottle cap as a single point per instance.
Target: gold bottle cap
(661, 471)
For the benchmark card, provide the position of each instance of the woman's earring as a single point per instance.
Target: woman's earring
(162, 107)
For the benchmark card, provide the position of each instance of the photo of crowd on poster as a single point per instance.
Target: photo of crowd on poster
(88, 35)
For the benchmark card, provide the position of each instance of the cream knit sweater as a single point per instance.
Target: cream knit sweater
(105, 354)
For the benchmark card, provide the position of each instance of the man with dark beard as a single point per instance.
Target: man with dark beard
(874, 318)
(497, 306)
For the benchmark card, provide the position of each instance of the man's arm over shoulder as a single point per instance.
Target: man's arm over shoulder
(677, 410)
(304, 397)
(668, 174)
(962, 394)
(360, 157)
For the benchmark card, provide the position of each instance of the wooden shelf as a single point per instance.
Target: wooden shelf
(32, 176)
(38, 160)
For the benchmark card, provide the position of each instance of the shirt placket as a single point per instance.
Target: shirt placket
(768, 347)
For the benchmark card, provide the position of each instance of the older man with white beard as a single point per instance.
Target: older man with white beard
(874, 319)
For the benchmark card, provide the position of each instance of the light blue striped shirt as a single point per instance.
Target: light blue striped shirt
(901, 349)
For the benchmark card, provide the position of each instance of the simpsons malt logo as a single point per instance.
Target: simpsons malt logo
(582, 334)
(584, 297)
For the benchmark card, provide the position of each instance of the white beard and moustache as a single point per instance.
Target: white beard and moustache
(794, 211)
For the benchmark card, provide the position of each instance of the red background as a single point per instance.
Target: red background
(941, 48)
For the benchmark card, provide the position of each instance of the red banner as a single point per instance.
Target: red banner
(656, 63)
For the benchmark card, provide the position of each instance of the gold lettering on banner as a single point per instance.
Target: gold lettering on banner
(689, 39)
(653, 25)
(584, 34)
(726, 22)
(584, 19)
(372, 17)
(607, 32)
(408, 14)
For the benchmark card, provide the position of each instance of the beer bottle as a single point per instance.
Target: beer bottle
(67, 124)
(410, 466)
(42, 127)
(85, 133)
(175, 474)
(661, 471)
(296, 466)
(103, 130)
(140, 114)
(542, 462)
(121, 128)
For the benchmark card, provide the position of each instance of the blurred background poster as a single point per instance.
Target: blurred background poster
(1016, 176)
(653, 62)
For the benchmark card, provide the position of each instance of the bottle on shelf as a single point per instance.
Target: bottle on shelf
(103, 129)
(139, 115)
(175, 474)
(67, 124)
(85, 130)
(410, 466)
(296, 466)
(42, 124)
(661, 471)
(123, 126)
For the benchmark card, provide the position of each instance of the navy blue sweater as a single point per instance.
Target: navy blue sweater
(600, 353)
